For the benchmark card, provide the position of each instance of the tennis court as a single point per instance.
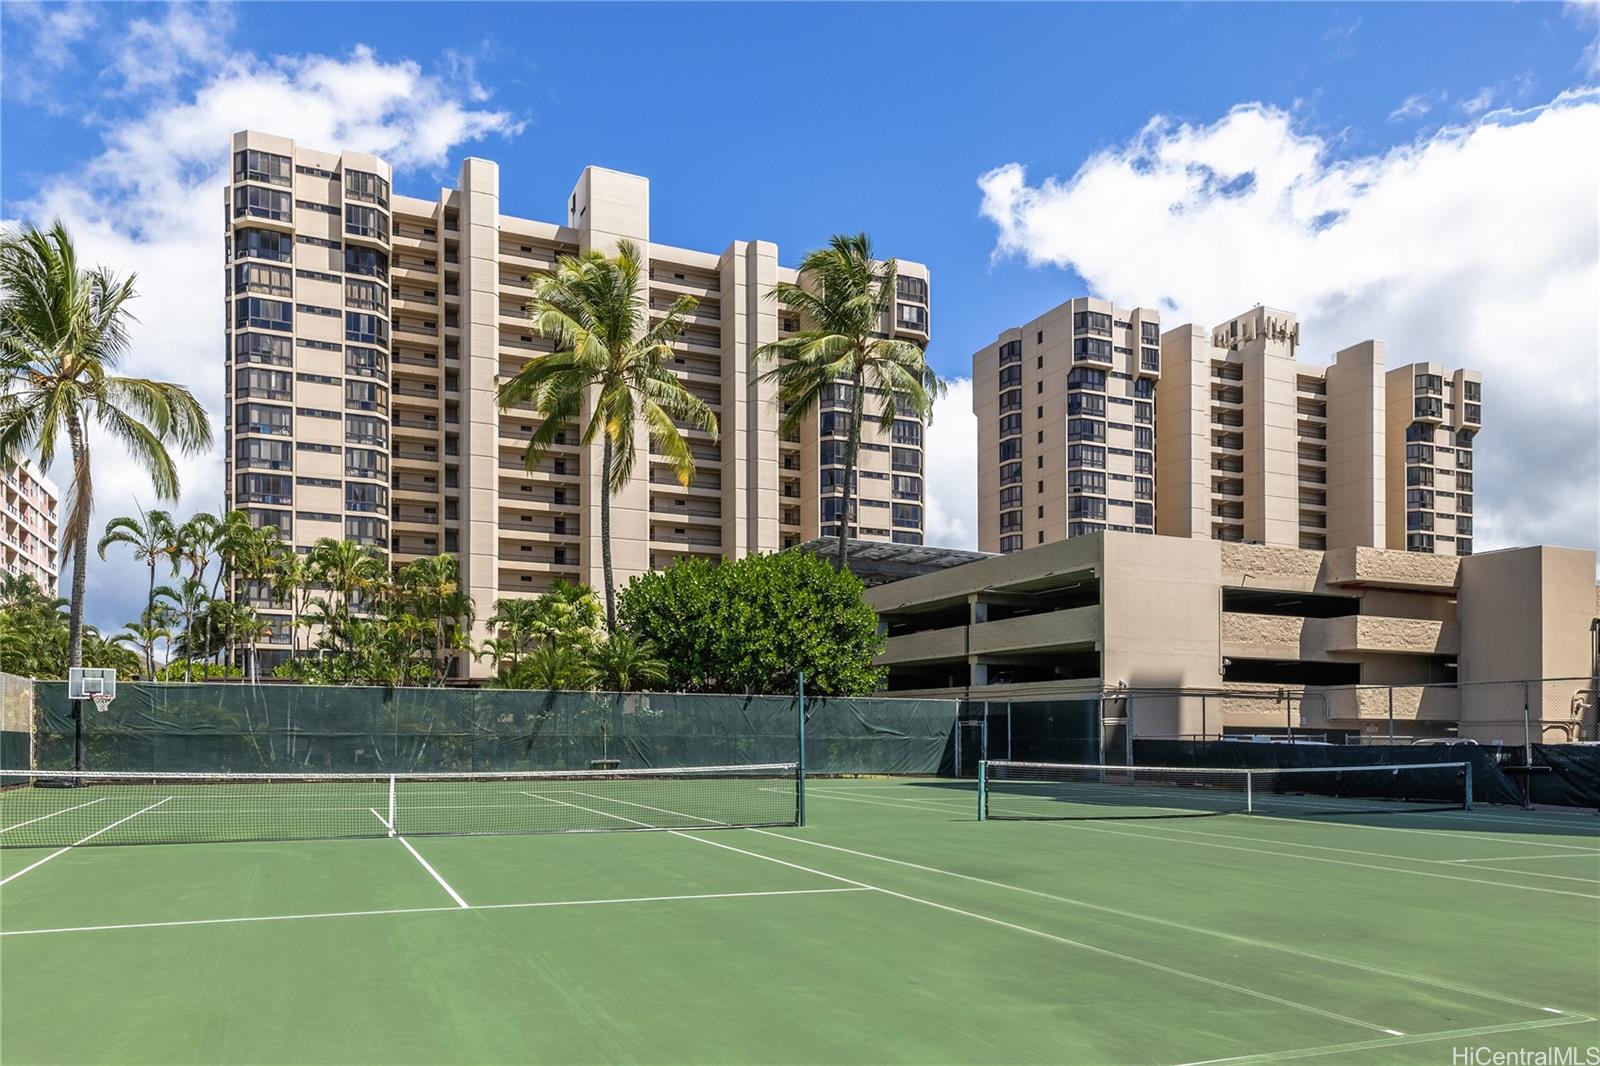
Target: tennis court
(893, 927)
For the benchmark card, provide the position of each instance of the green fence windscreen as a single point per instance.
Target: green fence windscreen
(253, 728)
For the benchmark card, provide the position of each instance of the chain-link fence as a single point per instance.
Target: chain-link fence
(16, 722)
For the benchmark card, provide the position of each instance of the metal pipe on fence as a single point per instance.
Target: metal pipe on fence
(1391, 712)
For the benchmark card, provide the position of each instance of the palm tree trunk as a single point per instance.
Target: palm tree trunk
(149, 619)
(605, 534)
(851, 451)
(80, 547)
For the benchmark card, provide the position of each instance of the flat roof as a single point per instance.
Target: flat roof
(878, 563)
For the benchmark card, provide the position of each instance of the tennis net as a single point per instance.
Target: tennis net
(71, 808)
(1032, 790)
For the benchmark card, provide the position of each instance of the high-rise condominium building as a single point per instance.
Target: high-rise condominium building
(30, 535)
(1066, 425)
(1250, 444)
(1433, 416)
(368, 332)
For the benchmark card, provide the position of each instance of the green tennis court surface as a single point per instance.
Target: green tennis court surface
(894, 927)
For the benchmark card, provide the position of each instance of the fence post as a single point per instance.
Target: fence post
(1204, 736)
(983, 790)
(800, 769)
(1008, 729)
(1527, 751)
(1391, 713)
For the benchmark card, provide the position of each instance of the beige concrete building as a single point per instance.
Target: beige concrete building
(1066, 425)
(1433, 416)
(1249, 443)
(367, 334)
(30, 533)
(1327, 640)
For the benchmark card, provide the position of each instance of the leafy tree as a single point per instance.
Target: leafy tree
(552, 667)
(63, 330)
(34, 635)
(845, 300)
(608, 357)
(627, 664)
(749, 626)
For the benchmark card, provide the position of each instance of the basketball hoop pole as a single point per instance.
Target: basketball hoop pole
(77, 734)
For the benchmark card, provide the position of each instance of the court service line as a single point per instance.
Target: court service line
(1320, 858)
(1519, 858)
(85, 840)
(425, 864)
(1081, 945)
(1371, 1045)
(427, 910)
(1172, 924)
(52, 814)
(942, 806)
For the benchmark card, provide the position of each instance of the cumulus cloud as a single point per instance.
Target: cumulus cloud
(1476, 246)
(151, 202)
(49, 32)
(951, 481)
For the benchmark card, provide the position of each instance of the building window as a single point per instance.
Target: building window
(1143, 463)
(911, 316)
(1419, 498)
(1420, 431)
(365, 429)
(366, 222)
(1086, 507)
(1010, 544)
(1463, 482)
(907, 515)
(1419, 542)
(255, 202)
(909, 488)
(1010, 425)
(264, 418)
(1419, 453)
(1087, 348)
(1011, 497)
(1086, 481)
(254, 312)
(1144, 389)
(282, 521)
(908, 460)
(1010, 520)
(1419, 475)
(360, 185)
(1144, 488)
(1086, 403)
(1092, 322)
(1429, 385)
(263, 488)
(252, 453)
(1149, 333)
(263, 244)
(365, 462)
(1011, 401)
(1150, 359)
(1010, 472)
(366, 295)
(1144, 437)
(1419, 520)
(262, 348)
(1145, 412)
(1429, 407)
(371, 262)
(253, 165)
(905, 536)
(1086, 377)
(1011, 449)
(1010, 377)
(1464, 459)
(365, 396)
(912, 289)
(263, 278)
(359, 496)
(1010, 352)
(1086, 455)
(373, 532)
(907, 431)
(1143, 514)
(366, 362)
(1085, 429)
(250, 383)
(365, 329)
(1472, 391)
(1472, 412)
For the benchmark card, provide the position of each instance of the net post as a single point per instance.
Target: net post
(391, 805)
(1466, 799)
(800, 767)
(983, 790)
(1249, 792)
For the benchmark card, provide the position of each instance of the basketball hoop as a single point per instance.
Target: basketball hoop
(102, 700)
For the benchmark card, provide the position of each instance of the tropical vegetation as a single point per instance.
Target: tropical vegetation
(610, 357)
(844, 301)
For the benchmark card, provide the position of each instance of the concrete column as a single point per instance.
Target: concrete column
(749, 424)
(1357, 447)
(480, 410)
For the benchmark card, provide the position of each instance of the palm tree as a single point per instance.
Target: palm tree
(513, 619)
(625, 663)
(63, 330)
(348, 570)
(845, 301)
(433, 585)
(154, 625)
(153, 537)
(551, 668)
(189, 601)
(611, 360)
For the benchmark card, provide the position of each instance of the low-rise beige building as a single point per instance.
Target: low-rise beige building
(1333, 638)
(368, 333)
(30, 533)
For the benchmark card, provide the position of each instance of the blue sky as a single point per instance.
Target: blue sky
(789, 122)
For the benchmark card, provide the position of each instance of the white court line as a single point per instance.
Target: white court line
(943, 806)
(428, 910)
(85, 840)
(416, 855)
(1148, 835)
(1081, 945)
(52, 814)
(1522, 858)
(1371, 1045)
(1171, 924)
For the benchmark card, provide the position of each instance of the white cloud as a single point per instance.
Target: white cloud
(1415, 106)
(51, 31)
(1480, 102)
(151, 203)
(1475, 247)
(188, 36)
(951, 477)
